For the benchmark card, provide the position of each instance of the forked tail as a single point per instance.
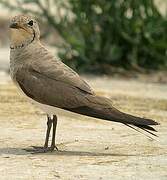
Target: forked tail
(100, 107)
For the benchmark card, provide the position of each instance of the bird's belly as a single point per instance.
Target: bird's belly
(50, 110)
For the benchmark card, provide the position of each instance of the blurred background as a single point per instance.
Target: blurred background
(96, 36)
(120, 48)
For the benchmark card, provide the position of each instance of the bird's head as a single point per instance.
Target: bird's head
(23, 31)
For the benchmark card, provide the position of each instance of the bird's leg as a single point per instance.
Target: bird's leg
(44, 149)
(49, 126)
(53, 145)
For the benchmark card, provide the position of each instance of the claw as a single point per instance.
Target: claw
(56, 148)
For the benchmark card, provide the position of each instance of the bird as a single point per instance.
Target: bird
(50, 84)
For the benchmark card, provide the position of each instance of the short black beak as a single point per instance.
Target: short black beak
(14, 25)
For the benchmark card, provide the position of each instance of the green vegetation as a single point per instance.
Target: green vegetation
(100, 34)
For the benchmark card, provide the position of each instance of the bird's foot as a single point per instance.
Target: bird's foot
(38, 149)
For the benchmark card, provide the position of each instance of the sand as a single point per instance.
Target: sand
(88, 148)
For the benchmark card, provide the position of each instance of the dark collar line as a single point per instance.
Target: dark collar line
(17, 47)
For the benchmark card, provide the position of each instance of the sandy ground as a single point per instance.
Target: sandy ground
(89, 148)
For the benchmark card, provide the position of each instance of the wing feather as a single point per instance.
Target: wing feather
(58, 71)
(49, 91)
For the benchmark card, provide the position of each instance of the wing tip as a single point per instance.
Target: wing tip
(151, 122)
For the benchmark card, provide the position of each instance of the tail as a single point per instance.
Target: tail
(100, 107)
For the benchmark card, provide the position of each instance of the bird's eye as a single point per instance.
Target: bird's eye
(30, 23)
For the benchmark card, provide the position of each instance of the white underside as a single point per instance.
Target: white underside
(50, 110)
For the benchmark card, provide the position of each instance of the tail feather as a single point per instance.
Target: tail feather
(149, 132)
(141, 132)
(147, 127)
(101, 108)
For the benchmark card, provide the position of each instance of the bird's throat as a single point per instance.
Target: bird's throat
(20, 38)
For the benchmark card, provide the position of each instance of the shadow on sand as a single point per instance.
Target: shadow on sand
(20, 151)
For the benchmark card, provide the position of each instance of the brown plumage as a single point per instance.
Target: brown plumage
(50, 82)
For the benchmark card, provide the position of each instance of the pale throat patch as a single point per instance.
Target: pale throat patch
(20, 37)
